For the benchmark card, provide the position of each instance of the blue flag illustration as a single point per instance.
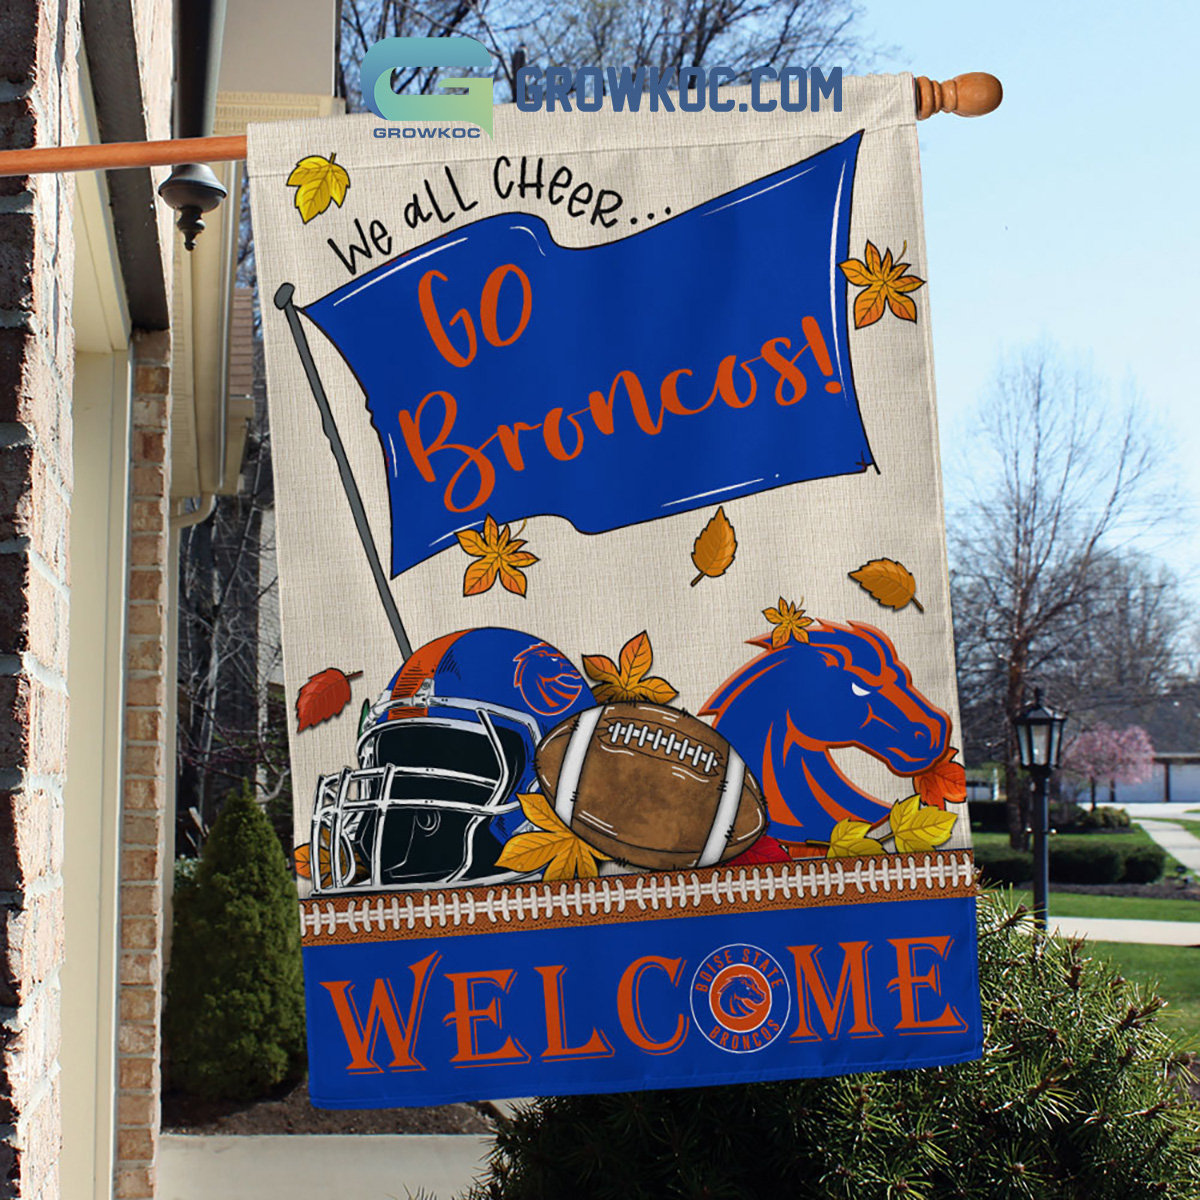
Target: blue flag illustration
(701, 357)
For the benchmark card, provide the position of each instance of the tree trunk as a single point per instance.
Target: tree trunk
(1093, 782)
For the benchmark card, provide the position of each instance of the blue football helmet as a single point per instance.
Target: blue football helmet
(442, 756)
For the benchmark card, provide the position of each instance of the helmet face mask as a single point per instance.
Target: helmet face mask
(434, 796)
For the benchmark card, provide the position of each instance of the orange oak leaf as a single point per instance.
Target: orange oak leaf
(499, 555)
(319, 182)
(628, 682)
(551, 845)
(885, 285)
(789, 621)
(323, 696)
(944, 783)
(889, 582)
(714, 550)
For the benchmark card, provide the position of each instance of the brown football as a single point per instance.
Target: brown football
(651, 786)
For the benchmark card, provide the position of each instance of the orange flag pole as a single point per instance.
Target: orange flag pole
(108, 156)
(970, 95)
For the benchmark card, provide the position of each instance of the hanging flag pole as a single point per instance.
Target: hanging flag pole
(283, 301)
(974, 94)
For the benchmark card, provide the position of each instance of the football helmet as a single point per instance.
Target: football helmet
(442, 756)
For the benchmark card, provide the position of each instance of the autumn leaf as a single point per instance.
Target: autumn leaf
(765, 849)
(849, 840)
(789, 621)
(552, 845)
(885, 284)
(323, 696)
(714, 550)
(319, 182)
(889, 582)
(628, 682)
(944, 783)
(918, 827)
(500, 556)
(301, 859)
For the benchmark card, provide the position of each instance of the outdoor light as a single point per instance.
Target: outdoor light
(1039, 733)
(192, 190)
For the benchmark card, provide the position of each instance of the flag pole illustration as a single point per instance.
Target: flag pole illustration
(283, 301)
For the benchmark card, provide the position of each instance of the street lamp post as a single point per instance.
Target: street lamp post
(1039, 744)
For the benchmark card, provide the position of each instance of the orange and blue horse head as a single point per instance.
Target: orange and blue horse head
(785, 710)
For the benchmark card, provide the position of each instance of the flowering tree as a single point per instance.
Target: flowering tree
(1119, 756)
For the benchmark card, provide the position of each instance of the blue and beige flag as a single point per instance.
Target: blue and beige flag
(615, 602)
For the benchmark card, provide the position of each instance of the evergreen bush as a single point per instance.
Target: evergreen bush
(1086, 862)
(234, 1021)
(1144, 864)
(1003, 864)
(1077, 1097)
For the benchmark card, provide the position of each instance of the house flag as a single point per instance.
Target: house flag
(615, 602)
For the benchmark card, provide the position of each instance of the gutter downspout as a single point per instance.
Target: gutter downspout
(205, 507)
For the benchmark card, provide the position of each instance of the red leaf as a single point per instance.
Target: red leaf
(944, 782)
(322, 697)
(765, 850)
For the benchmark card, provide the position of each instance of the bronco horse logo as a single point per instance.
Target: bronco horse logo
(740, 997)
(784, 711)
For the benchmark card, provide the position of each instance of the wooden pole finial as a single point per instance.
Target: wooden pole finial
(974, 94)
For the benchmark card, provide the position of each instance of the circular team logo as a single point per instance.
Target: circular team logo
(740, 998)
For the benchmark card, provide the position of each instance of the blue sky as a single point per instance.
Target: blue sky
(1071, 212)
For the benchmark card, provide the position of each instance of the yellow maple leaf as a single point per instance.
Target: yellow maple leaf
(889, 582)
(552, 845)
(628, 682)
(789, 621)
(500, 556)
(917, 826)
(319, 182)
(714, 549)
(885, 285)
(849, 840)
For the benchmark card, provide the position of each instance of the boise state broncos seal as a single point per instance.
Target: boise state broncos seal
(740, 998)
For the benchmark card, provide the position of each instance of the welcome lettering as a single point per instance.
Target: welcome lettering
(648, 1000)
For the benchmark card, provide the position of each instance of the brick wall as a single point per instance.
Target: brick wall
(144, 817)
(38, 45)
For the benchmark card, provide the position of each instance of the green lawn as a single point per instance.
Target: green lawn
(1193, 827)
(1176, 971)
(1128, 908)
(1127, 837)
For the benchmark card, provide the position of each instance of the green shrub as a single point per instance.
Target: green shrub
(1104, 817)
(1002, 864)
(989, 816)
(234, 1021)
(1066, 814)
(1086, 862)
(1073, 1098)
(1143, 864)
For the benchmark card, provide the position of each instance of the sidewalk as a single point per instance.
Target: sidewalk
(316, 1167)
(1174, 839)
(1113, 929)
